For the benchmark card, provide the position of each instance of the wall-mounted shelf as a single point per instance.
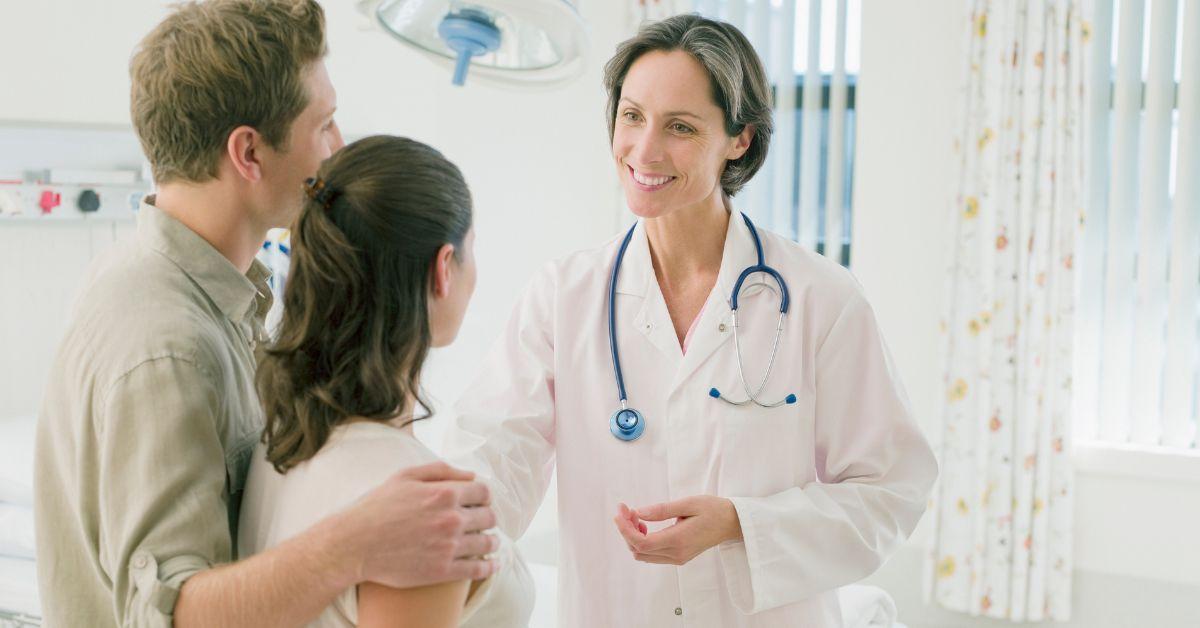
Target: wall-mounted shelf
(56, 173)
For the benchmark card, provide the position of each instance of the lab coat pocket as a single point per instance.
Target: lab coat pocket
(763, 449)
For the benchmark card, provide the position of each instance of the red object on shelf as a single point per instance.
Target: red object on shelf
(49, 201)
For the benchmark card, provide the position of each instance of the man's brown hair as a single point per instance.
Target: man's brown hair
(213, 66)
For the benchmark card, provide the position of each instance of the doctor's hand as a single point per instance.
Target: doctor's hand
(701, 522)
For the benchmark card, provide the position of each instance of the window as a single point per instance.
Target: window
(804, 189)
(1139, 299)
(824, 197)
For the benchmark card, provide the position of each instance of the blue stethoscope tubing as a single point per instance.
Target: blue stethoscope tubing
(627, 423)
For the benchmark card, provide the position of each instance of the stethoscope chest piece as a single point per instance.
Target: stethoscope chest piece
(627, 424)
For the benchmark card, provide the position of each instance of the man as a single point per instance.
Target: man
(151, 413)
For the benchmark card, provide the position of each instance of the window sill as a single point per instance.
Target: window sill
(1137, 461)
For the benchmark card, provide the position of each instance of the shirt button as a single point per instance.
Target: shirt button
(140, 561)
(678, 611)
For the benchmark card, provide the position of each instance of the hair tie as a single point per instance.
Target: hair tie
(317, 190)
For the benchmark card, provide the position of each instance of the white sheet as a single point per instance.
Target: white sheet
(16, 459)
(865, 606)
(545, 602)
(18, 587)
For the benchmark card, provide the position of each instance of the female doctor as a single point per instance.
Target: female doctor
(639, 367)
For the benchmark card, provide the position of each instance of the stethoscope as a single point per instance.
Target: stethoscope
(627, 423)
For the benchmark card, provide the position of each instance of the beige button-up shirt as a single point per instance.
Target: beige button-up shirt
(147, 427)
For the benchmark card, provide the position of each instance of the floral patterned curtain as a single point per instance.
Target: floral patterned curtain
(1003, 506)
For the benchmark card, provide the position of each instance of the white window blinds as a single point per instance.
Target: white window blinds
(803, 190)
(1136, 368)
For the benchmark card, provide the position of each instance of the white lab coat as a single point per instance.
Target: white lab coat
(825, 489)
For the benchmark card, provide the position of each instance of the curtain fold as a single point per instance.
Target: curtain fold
(1003, 505)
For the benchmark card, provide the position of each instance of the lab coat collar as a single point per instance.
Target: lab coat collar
(653, 321)
(637, 270)
(714, 328)
(739, 254)
(637, 279)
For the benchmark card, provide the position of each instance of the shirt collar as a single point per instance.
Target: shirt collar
(637, 271)
(238, 296)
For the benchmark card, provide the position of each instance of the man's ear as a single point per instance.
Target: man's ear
(244, 148)
(443, 266)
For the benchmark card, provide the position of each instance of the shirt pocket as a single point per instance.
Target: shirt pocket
(764, 450)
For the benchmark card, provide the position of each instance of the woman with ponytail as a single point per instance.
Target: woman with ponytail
(382, 270)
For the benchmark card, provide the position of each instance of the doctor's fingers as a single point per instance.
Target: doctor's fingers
(658, 559)
(665, 541)
(666, 553)
(630, 534)
(626, 512)
(685, 507)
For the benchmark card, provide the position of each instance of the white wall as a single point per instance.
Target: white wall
(41, 267)
(67, 61)
(537, 163)
(42, 264)
(1136, 547)
(538, 166)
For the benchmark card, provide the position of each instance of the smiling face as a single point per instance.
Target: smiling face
(669, 141)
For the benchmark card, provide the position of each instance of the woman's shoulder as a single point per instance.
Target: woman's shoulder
(371, 447)
(355, 459)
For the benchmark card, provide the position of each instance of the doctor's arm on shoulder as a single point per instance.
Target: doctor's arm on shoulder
(874, 469)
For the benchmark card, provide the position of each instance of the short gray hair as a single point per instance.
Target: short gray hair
(738, 81)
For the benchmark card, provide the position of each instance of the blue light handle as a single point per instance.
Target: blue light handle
(460, 67)
(469, 33)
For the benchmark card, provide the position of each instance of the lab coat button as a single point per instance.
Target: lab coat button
(139, 561)
(678, 611)
(721, 328)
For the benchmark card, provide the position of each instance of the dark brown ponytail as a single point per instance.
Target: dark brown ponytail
(355, 328)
